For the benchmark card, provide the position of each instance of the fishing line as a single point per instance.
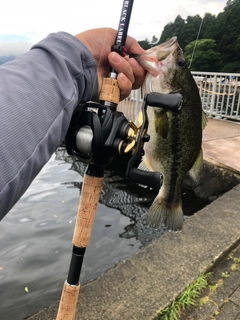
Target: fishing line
(199, 30)
(195, 45)
(101, 54)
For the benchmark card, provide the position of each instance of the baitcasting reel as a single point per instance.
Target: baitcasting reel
(97, 133)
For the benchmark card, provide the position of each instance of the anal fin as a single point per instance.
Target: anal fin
(196, 170)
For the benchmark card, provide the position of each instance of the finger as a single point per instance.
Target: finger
(138, 72)
(125, 85)
(133, 46)
(121, 65)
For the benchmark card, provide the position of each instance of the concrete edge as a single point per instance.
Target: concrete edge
(215, 162)
(138, 287)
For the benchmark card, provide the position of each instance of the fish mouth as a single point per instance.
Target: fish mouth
(162, 51)
(167, 44)
(158, 57)
(165, 48)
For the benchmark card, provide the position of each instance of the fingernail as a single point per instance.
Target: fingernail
(116, 57)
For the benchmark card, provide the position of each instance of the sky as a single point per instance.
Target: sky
(25, 22)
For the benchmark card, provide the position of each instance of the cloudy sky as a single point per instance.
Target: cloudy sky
(25, 22)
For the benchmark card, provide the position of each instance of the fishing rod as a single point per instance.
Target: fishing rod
(97, 133)
(93, 177)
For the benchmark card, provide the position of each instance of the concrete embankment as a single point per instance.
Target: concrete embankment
(138, 287)
(141, 285)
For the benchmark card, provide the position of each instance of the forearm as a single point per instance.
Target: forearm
(38, 93)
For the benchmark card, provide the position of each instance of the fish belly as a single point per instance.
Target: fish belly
(172, 152)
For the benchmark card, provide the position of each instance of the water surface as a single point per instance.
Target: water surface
(35, 242)
(36, 236)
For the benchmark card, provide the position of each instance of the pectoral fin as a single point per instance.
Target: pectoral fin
(161, 124)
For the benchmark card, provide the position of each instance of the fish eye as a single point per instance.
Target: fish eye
(181, 62)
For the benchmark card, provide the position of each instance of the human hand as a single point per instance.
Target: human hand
(130, 73)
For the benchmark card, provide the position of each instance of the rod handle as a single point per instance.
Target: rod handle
(110, 91)
(68, 302)
(89, 198)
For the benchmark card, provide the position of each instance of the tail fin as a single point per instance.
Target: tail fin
(170, 217)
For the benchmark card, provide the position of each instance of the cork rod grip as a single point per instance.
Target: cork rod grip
(110, 91)
(90, 194)
(68, 302)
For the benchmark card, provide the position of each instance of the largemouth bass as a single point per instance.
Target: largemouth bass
(175, 142)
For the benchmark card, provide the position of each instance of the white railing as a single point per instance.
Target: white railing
(131, 105)
(220, 95)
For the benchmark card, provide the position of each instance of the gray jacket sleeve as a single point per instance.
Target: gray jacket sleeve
(38, 93)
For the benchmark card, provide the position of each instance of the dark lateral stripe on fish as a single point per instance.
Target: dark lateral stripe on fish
(175, 147)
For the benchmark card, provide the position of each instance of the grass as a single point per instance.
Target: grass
(235, 265)
(189, 297)
(225, 274)
(185, 300)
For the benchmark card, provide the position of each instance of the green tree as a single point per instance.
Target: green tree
(227, 36)
(145, 44)
(191, 30)
(154, 40)
(208, 26)
(179, 28)
(185, 30)
(204, 58)
(168, 33)
(218, 45)
(173, 29)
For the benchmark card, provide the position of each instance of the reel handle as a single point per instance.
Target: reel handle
(172, 101)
